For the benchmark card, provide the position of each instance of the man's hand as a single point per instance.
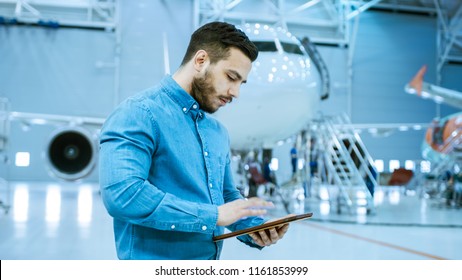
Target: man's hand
(230, 212)
(270, 236)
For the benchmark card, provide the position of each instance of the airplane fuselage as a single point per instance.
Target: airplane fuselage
(281, 95)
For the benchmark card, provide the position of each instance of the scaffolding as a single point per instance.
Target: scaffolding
(97, 14)
(443, 183)
(4, 159)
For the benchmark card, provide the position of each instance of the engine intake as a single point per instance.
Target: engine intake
(71, 153)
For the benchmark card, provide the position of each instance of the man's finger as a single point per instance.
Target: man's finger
(274, 235)
(257, 203)
(265, 238)
(257, 239)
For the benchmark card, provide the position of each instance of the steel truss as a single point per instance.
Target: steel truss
(98, 14)
(323, 21)
(449, 34)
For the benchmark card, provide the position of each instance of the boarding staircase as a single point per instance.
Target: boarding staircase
(345, 168)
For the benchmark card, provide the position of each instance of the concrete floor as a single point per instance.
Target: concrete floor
(49, 220)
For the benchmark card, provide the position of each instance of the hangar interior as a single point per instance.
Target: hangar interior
(66, 65)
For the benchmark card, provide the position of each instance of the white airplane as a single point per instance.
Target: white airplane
(444, 135)
(282, 93)
(281, 96)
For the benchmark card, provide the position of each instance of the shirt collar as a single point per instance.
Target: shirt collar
(184, 100)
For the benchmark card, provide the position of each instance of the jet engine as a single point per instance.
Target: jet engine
(71, 153)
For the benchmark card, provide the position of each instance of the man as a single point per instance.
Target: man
(165, 165)
(294, 159)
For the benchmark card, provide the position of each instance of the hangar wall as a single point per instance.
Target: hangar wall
(68, 71)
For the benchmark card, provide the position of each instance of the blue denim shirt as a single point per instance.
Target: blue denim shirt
(164, 170)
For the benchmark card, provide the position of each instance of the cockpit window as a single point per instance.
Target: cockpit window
(291, 48)
(270, 46)
(266, 46)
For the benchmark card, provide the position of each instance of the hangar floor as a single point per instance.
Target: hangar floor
(68, 221)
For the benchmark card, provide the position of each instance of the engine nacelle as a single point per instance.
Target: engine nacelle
(71, 153)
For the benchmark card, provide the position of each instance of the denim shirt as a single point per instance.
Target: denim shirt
(164, 170)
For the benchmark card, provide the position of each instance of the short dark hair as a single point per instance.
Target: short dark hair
(216, 38)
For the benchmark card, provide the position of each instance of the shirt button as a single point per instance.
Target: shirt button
(184, 109)
(195, 106)
(204, 227)
(172, 227)
(206, 153)
(210, 185)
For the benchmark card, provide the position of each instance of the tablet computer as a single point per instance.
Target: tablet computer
(268, 225)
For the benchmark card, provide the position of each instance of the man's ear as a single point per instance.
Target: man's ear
(201, 59)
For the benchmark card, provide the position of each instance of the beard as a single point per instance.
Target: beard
(203, 91)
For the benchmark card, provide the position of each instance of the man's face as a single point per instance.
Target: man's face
(217, 84)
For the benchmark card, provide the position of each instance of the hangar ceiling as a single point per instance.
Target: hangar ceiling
(324, 21)
(335, 21)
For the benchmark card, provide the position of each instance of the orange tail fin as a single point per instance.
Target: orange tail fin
(417, 81)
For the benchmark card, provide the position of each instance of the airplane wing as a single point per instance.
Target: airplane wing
(72, 148)
(438, 94)
(41, 119)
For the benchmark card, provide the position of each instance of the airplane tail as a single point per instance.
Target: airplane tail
(438, 94)
(417, 82)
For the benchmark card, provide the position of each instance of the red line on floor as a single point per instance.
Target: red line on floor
(385, 244)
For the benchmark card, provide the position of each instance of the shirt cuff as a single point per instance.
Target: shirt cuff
(208, 217)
